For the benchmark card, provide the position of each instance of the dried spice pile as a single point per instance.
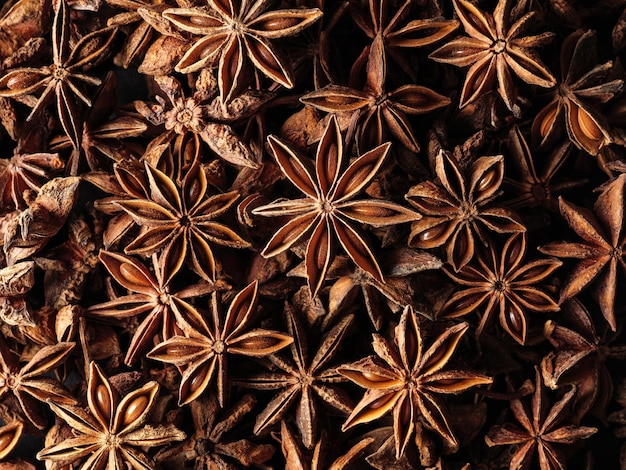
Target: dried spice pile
(312, 234)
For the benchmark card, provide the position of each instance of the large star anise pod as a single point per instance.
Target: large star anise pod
(63, 79)
(583, 88)
(303, 380)
(541, 430)
(179, 222)
(168, 313)
(406, 379)
(111, 434)
(376, 112)
(501, 282)
(601, 250)
(496, 49)
(203, 354)
(29, 383)
(457, 208)
(231, 33)
(328, 210)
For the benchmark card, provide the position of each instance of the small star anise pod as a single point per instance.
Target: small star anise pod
(203, 354)
(29, 383)
(168, 313)
(329, 210)
(501, 282)
(601, 250)
(457, 207)
(302, 381)
(179, 222)
(376, 112)
(390, 25)
(575, 104)
(541, 430)
(406, 379)
(111, 434)
(63, 77)
(9, 437)
(496, 49)
(233, 33)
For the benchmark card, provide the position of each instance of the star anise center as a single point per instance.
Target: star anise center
(499, 286)
(540, 192)
(467, 211)
(498, 46)
(112, 440)
(57, 73)
(326, 207)
(219, 347)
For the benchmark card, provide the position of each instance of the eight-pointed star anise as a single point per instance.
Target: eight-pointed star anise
(601, 250)
(234, 31)
(496, 49)
(405, 378)
(179, 222)
(302, 379)
(542, 431)
(202, 355)
(501, 282)
(457, 208)
(111, 434)
(328, 210)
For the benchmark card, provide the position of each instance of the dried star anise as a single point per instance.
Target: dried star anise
(457, 208)
(329, 208)
(502, 283)
(406, 379)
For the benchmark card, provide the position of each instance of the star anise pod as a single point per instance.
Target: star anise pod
(233, 33)
(501, 282)
(302, 381)
(179, 222)
(111, 434)
(10, 435)
(376, 113)
(63, 79)
(583, 88)
(541, 430)
(391, 26)
(406, 379)
(579, 359)
(328, 210)
(600, 251)
(29, 384)
(168, 313)
(496, 49)
(457, 208)
(203, 354)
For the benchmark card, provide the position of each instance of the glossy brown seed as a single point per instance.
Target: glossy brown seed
(275, 24)
(134, 409)
(134, 275)
(103, 399)
(374, 377)
(588, 126)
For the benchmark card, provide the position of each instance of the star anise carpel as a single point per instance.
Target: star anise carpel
(502, 282)
(457, 207)
(542, 430)
(203, 353)
(406, 378)
(232, 34)
(328, 210)
(112, 432)
(600, 252)
(496, 49)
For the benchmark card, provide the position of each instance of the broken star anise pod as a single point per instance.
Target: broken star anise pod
(457, 208)
(406, 379)
(329, 209)
(110, 436)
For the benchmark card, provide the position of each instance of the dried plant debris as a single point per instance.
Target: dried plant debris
(312, 234)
